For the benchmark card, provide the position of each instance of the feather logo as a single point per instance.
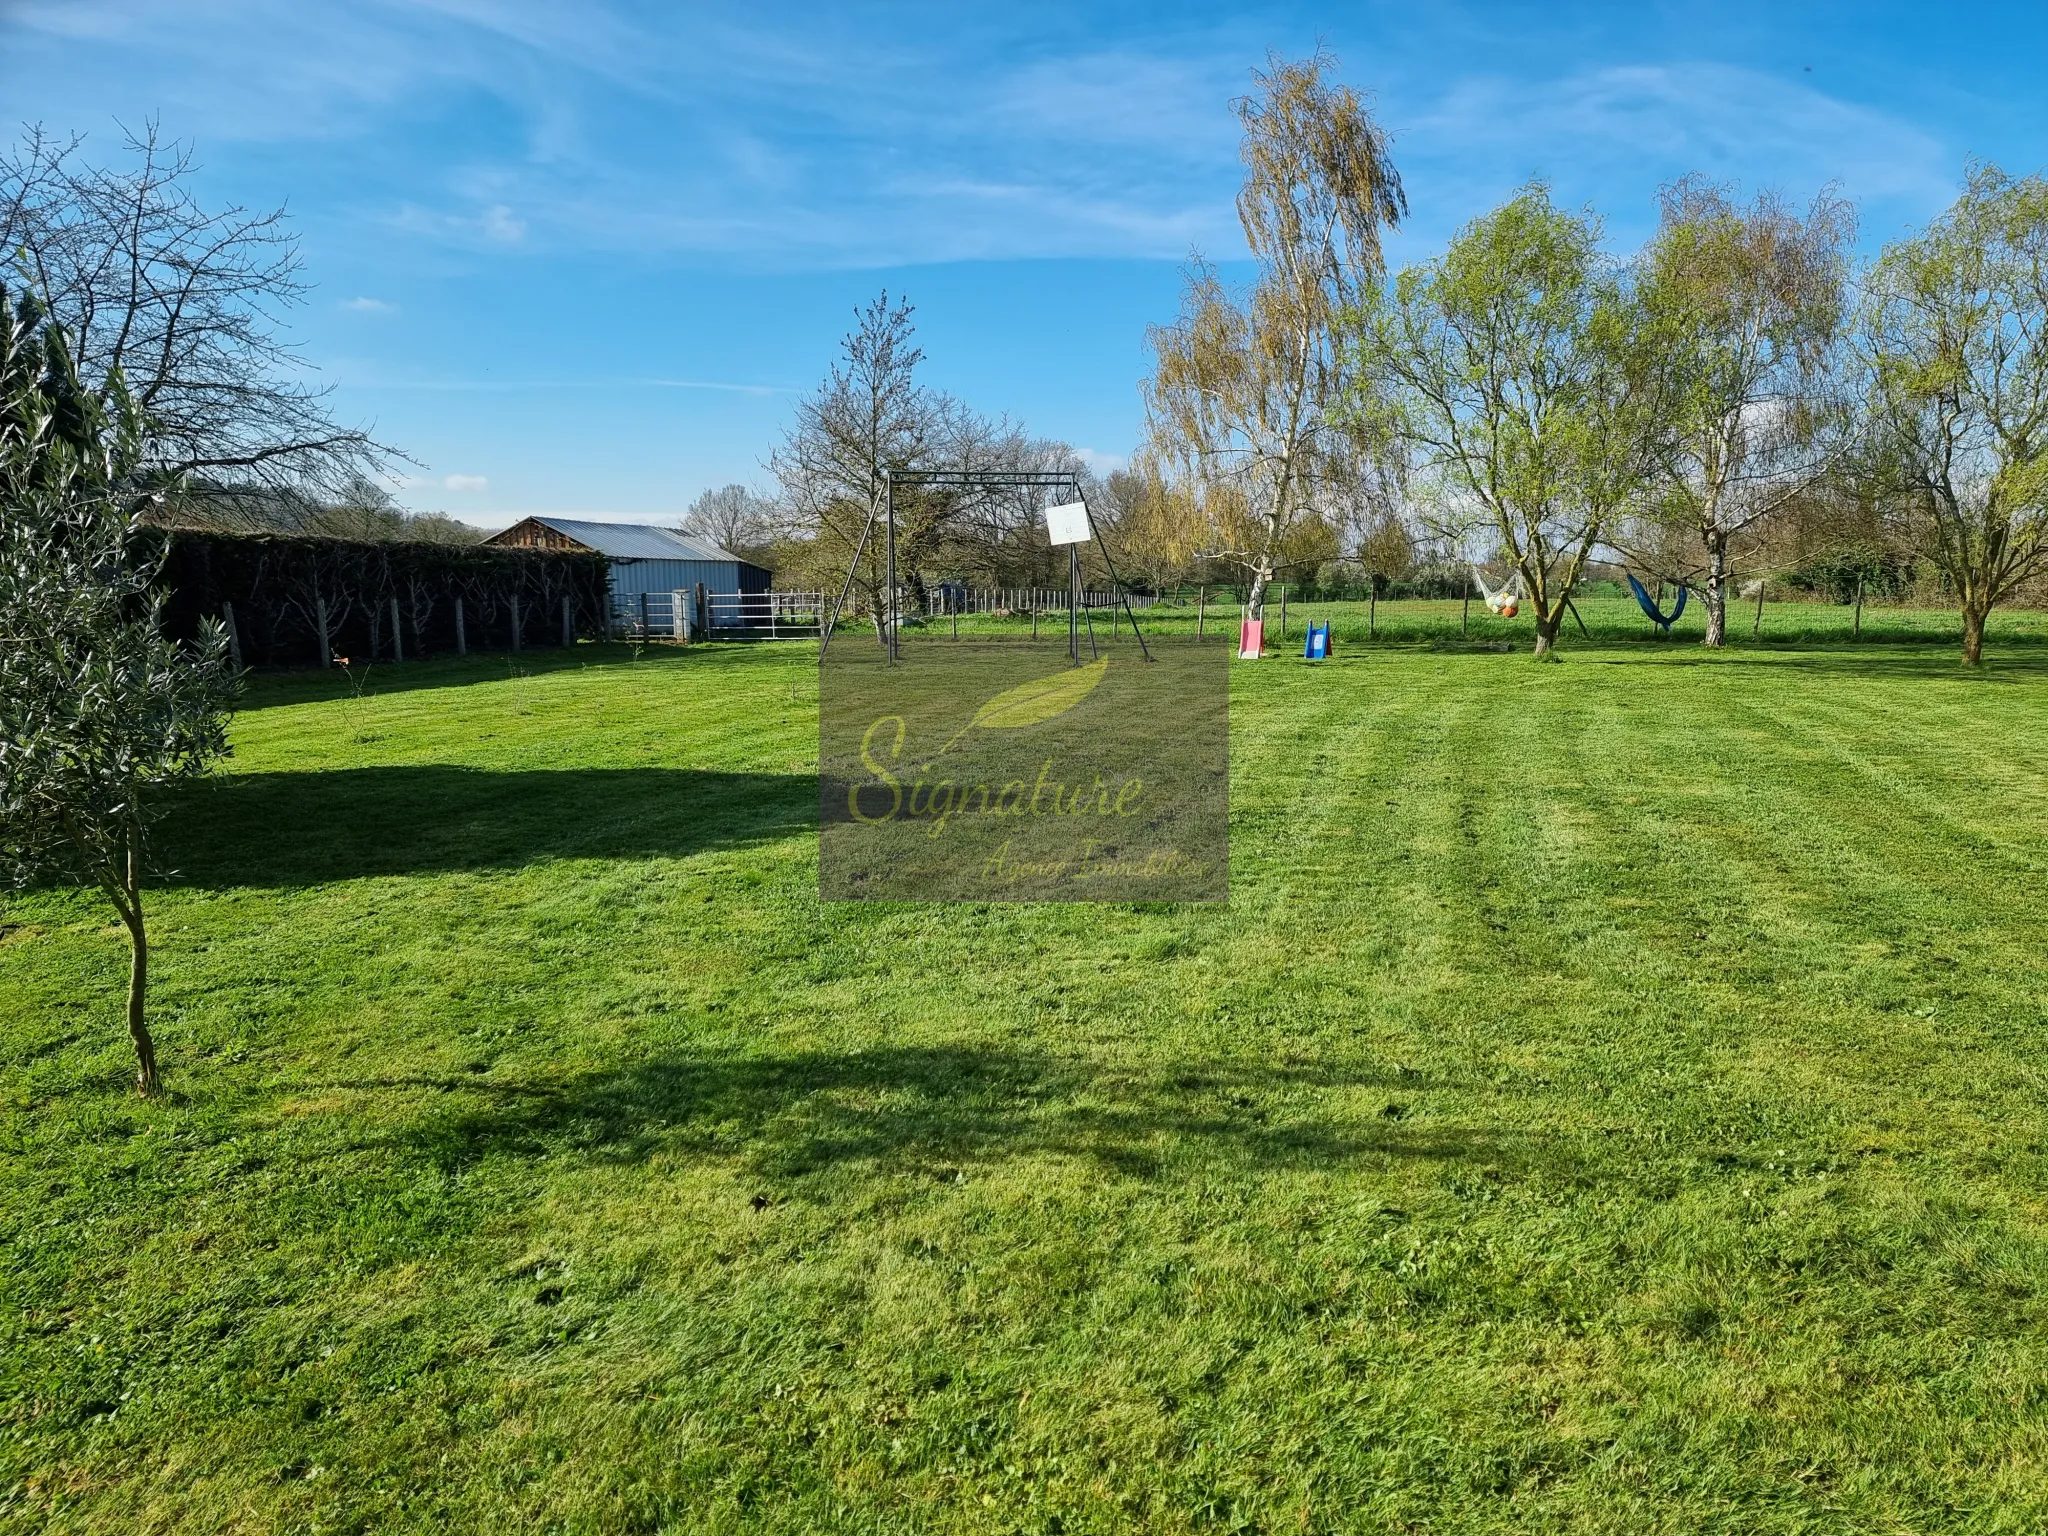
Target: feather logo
(1032, 703)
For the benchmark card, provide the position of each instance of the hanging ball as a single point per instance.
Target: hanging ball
(1508, 610)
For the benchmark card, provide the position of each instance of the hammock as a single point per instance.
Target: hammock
(1657, 616)
(1507, 599)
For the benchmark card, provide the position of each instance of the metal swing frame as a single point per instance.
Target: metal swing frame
(883, 508)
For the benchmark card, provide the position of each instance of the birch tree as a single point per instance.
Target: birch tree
(1745, 308)
(1245, 404)
(1955, 333)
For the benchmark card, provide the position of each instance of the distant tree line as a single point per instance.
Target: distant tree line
(1737, 399)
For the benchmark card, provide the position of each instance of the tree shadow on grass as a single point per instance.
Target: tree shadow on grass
(936, 1110)
(294, 829)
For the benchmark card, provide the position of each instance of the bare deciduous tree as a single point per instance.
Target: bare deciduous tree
(735, 519)
(1244, 406)
(872, 414)
(182, 302)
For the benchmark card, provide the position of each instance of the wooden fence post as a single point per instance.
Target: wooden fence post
(703, 613)
(461, 631)
(1857, 633)
(397, 641)
(1758, 627)
(568, 621)
(227, 614)
(516, 625)
(1201, 611)
(320, 616)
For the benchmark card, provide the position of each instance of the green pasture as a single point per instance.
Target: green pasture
(1613, 1100)
(1608, 620)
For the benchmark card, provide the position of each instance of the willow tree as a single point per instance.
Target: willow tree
(1745, 307)
(98, 709)
(1245, 404)
(1515, 370)
(1955, 333)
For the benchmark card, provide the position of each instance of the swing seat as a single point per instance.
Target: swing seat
(1655, 614)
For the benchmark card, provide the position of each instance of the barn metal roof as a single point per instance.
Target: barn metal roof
(636, 541)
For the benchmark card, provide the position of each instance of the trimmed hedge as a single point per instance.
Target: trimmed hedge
(280, 585)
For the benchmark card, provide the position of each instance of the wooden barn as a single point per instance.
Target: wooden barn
(648, 559)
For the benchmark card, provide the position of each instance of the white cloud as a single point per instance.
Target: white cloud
(1102, 463)
(814, 139)
(368, 306)
(499, 225)
(1641, 124)
(465, 483)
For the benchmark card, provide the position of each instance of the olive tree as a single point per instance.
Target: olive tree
(1746, 308)
(1244, 409)
(98, 709)
(1513, 368)
(1955, 334)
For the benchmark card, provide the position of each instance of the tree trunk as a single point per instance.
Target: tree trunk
(1717, 591)
(1973, 634)
(1546, 632)
(1255, 605)
(146, 1080)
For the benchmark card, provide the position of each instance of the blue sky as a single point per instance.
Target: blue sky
(582, 257)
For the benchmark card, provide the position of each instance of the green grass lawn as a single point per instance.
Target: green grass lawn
(1613, 1100)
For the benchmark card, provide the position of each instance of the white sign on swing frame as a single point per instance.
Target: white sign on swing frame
(1067, 523)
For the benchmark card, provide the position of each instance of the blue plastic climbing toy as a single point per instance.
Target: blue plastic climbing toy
(1657, 616)
(1318, 646)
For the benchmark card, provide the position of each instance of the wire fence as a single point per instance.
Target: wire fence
(700, 614)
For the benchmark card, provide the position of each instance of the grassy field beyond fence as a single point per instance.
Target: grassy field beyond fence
(1612, 1101)
(1608, 621)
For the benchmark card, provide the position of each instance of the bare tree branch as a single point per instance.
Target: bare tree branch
(185, 304)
